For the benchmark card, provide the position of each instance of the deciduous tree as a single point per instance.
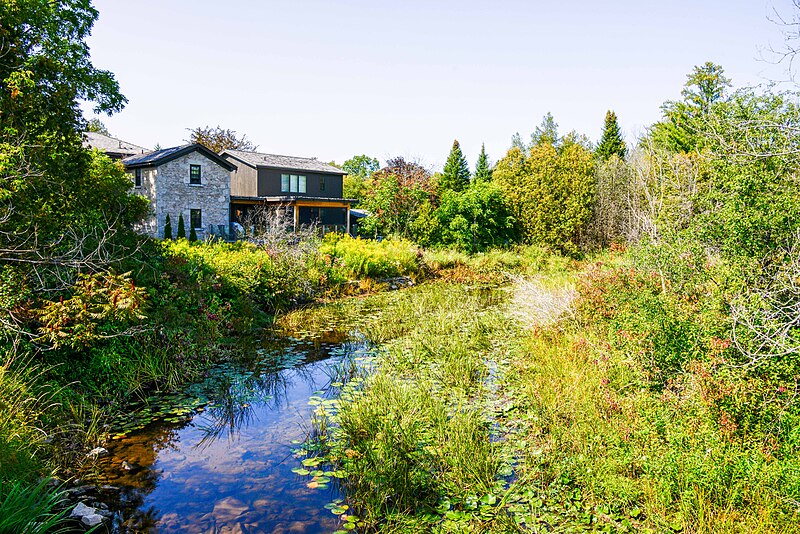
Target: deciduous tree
(219, 139)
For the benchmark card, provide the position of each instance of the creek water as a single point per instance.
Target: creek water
(227, 466)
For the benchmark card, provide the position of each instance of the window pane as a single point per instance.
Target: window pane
(294, 183)
(194, 174)
(196, 218)
(302, 184)
(284, 183)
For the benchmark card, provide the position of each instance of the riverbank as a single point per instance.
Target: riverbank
(116, 341)
(553, 407)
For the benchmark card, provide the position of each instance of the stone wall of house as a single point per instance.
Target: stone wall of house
(147, 190)
(175, 195)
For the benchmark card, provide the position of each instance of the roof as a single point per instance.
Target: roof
(159, 157)
(111, 145)
(275, 161)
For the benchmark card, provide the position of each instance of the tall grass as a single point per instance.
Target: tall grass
(33, 509)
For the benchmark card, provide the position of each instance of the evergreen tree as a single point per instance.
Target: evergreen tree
(181, 228)
(192, 233)
(455, 176)
(516, 142)
(546, 133)
(168, 228)
(483, 173)
(611, 142)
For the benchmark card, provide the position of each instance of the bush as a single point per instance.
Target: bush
(371, 259)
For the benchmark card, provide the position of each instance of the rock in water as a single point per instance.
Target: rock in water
(97, 452)
(92, 520)
(81, 510)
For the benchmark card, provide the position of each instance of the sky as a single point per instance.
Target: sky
(332, 79)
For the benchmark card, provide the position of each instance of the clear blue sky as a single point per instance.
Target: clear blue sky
(334, 79)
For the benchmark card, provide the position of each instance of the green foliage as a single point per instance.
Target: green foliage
(97, 126)
(397, 194)
(168, 228)
(32, 509)
(192, 234)
(682, 128)
(551, 191)
(363, 166)
(366, 258)
(483, 172)
(455, 175)
(474, 220)
(181, 228)
(611, 142)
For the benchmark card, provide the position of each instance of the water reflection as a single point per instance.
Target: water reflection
(228, 468)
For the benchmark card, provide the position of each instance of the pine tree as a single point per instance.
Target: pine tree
(611, 142)
(455, 175)
(192, 233)
(181, 228)
(168, 228)
(483, 173)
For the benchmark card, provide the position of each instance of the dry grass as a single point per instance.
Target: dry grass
(538, 302)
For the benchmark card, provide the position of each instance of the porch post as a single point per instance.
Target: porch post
(348, 218)
(296, 216)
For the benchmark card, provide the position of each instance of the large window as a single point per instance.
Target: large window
(196, 218)
(137, 178)
(194, 175)
(293, 183)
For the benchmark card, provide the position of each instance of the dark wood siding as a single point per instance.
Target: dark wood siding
(269, 184)
(244, 180)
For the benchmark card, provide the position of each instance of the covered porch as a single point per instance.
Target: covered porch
(327, 214)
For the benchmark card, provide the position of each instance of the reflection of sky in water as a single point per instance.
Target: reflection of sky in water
(229, 470)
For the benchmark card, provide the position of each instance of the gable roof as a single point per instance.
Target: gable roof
(111, 145)
(159, 157)
(275, 161)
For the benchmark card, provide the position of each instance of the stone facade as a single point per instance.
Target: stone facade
(167, 188)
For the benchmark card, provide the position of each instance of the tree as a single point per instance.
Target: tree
(362, 165)
(681, 128)
(396, 196)
(474, 219)
(181, 228)
(97, 126)
(455, 175)
(550, 191)
(483, 172)
(611, 142)
(62, 208)
(705, 85)
(168, 228)
(359, 171)
(192, 234)
(546, 132)
(517, 142)
(219, 139)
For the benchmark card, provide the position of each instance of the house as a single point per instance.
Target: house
(190, 180)
(310, 189)
(114, 148)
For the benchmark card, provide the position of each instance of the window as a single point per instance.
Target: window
(137, 178)
(293, 183)
(194, 174)
(196, 218)
(322, 183)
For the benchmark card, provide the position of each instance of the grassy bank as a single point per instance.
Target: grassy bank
(590, 399)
